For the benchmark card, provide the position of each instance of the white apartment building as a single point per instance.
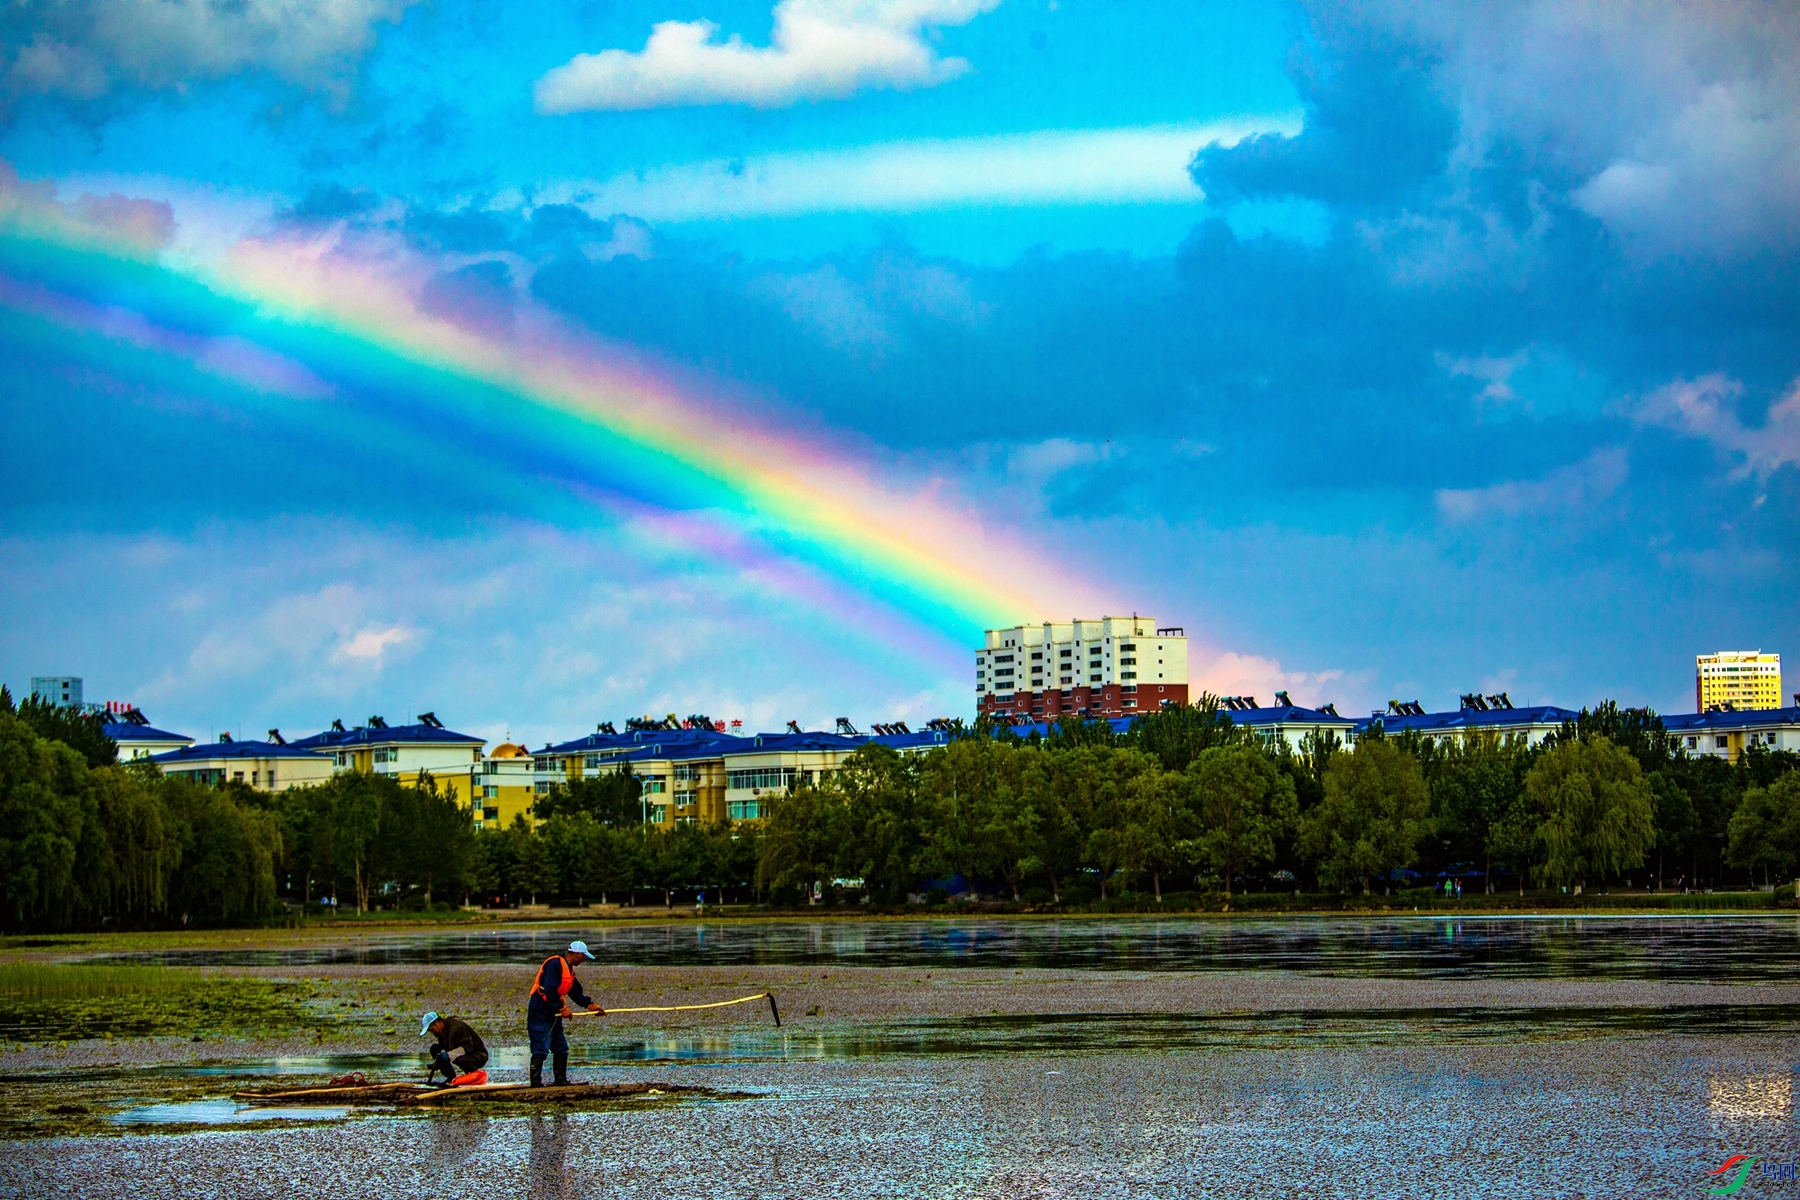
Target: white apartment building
(1109, 667)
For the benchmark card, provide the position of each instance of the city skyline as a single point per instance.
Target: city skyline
(539, 367)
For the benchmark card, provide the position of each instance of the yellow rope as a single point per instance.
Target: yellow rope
(675, 1007)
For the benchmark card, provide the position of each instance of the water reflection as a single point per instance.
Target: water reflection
(1750, 1097)
(1720, 949)
(547, 1171)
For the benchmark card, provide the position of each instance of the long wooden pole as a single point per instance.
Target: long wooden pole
(769, 996)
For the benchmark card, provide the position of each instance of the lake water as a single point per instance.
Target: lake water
(1672, 948)
(1567, 1098)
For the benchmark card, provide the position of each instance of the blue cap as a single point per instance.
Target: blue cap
(425, 1023)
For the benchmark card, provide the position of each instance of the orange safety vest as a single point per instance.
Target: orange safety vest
(568, 981)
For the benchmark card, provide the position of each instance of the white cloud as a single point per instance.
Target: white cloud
(820, 50)
(1589, 481)
(1058, 166)
(1700, 408)
(1233, 674)
(1675, 124)
(84, 49)
(830, 305)
(371, 645)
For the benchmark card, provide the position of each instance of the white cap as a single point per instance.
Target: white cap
(425, 1023)
(581, 949)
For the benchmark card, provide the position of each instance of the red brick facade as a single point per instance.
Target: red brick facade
(1110, 700)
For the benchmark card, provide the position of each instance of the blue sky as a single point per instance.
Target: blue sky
(1393, 350)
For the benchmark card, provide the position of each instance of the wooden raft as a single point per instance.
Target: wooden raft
(417, 1095)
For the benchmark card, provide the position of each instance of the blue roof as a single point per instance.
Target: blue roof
(1285, 714)
(769, 742)
(718, 745)
(362, 735)
(633, 738)
(1470, 718)
(125, 731)
(234, 750)
(909, 741)
(1690, 722)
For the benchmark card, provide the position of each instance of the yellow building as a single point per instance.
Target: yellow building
(265, 766)
(1737, 680)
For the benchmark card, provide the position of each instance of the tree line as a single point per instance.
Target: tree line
(1183, 801)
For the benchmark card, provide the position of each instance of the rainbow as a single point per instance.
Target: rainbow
(332, 331)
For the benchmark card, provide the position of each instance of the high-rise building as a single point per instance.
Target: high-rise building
(57, 689)
(1111, 667)
(1741, 680)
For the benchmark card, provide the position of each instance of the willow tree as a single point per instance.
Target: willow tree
(1596, 810)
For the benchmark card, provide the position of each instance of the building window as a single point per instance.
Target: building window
(238, 776)
(1720, 742)
(1128, 662)
(490, 813)
(1127, 674)
(1037, 656)
(653, 787)
(687, 771)
(1693, 743)
(541, 787)
(743, 810)
(1093, 679)
(762, 778)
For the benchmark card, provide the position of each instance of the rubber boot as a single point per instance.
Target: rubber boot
(442, 1063)
(537, 1070)
(562, 1070)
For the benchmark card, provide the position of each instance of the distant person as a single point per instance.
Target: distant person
(453, 1034)
(551, 992)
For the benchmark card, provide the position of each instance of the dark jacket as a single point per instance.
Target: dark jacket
(545, 1004)
(458, 1036)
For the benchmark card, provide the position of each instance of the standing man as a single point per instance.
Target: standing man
(465, 1070)
(551, 992)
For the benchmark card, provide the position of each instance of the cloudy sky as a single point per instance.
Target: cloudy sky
(543, 364)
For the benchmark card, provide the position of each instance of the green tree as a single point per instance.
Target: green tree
(609, 797)
(801, 839)
(47, 817)
(1675, 819)
(84, 733)
(1061, 786)
(1241, 804)
(1474, 786)
(1596, 807)
(1765, 830)
(1371, 818)
(1177, 734)
(884, 840)
(960, 786)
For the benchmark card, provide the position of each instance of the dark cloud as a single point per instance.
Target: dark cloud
(1376, 128)
(79, 53)
(479, 296)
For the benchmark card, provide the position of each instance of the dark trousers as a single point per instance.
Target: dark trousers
(462, 1064)
(546, 1033)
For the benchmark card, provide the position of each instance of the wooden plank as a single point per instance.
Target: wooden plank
(365, 1094)
(550, 1094)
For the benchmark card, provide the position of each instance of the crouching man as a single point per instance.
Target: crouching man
(458, 1052)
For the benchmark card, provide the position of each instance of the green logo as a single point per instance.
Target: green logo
(1742, 1162)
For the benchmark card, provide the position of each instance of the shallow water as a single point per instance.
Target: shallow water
(1672, 948)
(1595, 1119)
(222, 1112)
